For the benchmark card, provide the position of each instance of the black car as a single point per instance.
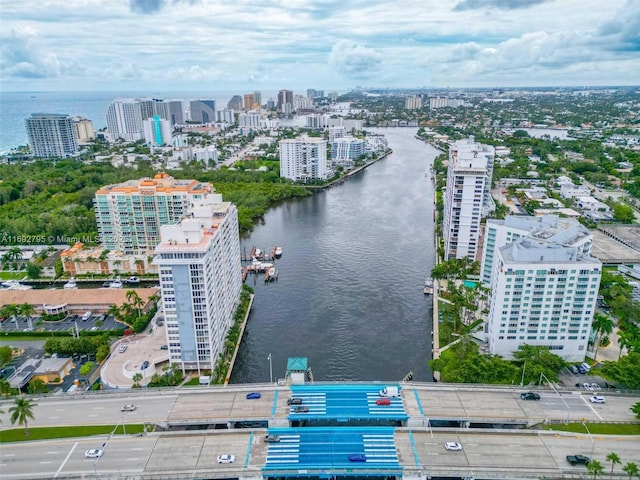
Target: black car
(294, 401)
(145, 364)
(578, 459)
(301, 409)
(529, 396)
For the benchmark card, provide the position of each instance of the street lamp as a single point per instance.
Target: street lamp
(593, 442)
(270, 369)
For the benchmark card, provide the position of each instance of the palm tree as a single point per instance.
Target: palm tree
(602, 325)
(136, 379)
(27, 310)
(21, 411)
(136, 302)
(595, 468)
(114, 311)
(613, 458)
(9, 311)
(631, 469)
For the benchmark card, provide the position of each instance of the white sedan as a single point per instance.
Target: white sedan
(453, 446)
(94, 453)
(226, 458)
(597, 399)
(130, 407)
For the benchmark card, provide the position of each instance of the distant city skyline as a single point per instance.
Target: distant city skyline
(248, 45)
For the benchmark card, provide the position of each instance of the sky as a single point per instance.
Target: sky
(162, 45)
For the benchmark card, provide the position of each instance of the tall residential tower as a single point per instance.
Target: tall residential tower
(467, 196)
(51, 135)
(200, 281)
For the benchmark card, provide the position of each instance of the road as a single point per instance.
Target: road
(486, 453)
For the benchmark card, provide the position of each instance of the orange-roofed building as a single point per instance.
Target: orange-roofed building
(129, 214)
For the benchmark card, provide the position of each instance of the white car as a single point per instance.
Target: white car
(94, 453)
(453, 446)
(587, 386)
(130, 407)
(122, 348)
(597, 399)
(226, 458)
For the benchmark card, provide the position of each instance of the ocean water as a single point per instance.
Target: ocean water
(15, 107)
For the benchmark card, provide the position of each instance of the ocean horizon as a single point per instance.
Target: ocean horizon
(16, 107)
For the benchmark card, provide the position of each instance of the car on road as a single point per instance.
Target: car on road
(578, 460)
(383, 401)
(294, 401)
(226, 458)
(144, 365)
(129, 407)
(357, 457)
(529, 396)
(122, 348)
(271, 438)
(301, 409)
(453, 446)
(597, 399)
(93, 453)
(253, 395)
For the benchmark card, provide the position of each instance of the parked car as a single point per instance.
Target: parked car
(597, 399)
(122, 348)
(253, 395)
(529, 396)
(294, 401)
(357, 457)
(271, 438)
(595, 386)
(581, 369)
(453, 446)
(93, 453)
(578, 459)
(574, 369)
(144, 365)
(226, 458)
(587, 386)
(164, 347)
(383, 401)
(129, 407)
(301, 409)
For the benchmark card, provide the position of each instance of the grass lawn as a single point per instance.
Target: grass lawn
(12, 275)
(44, 433)
(598, 428)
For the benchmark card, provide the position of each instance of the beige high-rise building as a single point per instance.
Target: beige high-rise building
(83, 129)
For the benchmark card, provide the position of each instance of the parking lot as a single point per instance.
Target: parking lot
(94, 322)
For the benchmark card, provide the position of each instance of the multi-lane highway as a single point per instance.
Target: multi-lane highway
(486, 453)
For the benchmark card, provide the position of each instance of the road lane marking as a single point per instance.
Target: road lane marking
(93, 415)
(65, 460)
(9, 455)
(45, 462)
(133, 459)
(139, 448)
(53, 418)
(52, 453)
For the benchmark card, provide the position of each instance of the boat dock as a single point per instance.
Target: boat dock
(261, 262)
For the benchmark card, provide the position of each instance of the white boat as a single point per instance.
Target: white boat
(15, 285)
(278, 252)
(132, 280)
(71, 284)
(117, 283)
(428, 286)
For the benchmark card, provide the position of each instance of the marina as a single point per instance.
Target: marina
(261, 262)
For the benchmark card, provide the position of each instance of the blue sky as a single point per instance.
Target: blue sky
(217, 45)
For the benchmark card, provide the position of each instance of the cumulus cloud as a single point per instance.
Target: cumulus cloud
(149, 7)
(197, 73)
(624, 28)
(22, 55)
(500, 4)
(353, 60)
